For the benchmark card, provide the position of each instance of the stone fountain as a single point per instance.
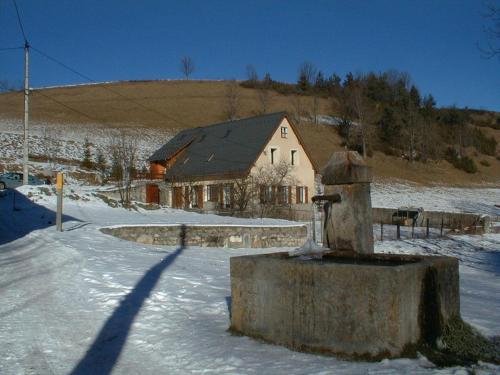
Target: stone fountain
(349, 301)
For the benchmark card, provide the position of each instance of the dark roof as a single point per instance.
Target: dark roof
(218, 150)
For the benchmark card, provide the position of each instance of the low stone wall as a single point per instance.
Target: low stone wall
(450, 220)
(232, 236)
(361, 307)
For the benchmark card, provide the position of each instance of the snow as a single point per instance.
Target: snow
(439, 198)
(83, 302)
(66, 141)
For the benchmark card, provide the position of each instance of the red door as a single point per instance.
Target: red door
(152, 194)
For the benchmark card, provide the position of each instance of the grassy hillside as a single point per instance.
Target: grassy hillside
(172, 105)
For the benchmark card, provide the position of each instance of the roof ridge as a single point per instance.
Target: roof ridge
(282, 113)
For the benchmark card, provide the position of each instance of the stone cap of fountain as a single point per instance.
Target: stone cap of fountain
(346, 168)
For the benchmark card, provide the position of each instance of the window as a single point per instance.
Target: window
(274, 155)
(301, 194)
(283, 194)
(228, 195)
(294, 157)
(266, 194)
(284, 132)
(213, 193)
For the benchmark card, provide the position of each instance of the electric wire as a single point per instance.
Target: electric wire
(10, 48)
(20, 22)
(87, 78)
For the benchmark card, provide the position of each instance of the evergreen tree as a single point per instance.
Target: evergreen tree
(87, 155)
(101, 165)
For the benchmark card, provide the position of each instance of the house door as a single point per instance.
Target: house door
(177, 200)
(152, 194)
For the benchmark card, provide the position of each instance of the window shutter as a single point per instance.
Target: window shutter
(297, 195)
(200, 196)
(262, 193)
(273, 195)
(289, 195)
(306, 200)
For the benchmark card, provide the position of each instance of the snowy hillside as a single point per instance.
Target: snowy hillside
(82, 302)
(67, 142)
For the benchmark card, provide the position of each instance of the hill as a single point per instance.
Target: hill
(172, 105)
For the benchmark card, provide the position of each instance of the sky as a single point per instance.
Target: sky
(435, 41)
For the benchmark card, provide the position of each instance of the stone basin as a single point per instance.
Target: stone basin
(367, 306)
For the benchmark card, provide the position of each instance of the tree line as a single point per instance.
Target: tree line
(387, 112)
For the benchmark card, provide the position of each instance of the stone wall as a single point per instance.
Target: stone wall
(231, 236)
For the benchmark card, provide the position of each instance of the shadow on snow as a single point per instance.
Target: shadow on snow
(20, 216)
(105, 351)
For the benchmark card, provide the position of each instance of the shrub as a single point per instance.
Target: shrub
(460, 162)
(482, 143)
(486, 163)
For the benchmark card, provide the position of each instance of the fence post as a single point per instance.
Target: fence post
(381, 231)
(313, 223)
(398, 231)
(427, 228)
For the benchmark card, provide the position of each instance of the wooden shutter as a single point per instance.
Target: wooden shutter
(262, 193)
(199, 192)
(289, 195)
(186, 196)
(306, 194)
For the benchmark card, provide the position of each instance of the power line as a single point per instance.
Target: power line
(87, 78)
(38, 92)
(10, 48)
(20, 22)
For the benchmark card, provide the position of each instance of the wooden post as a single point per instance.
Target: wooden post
(26, 113)
(398, 231)
(313, 223)
(59, 188)
(381, 231)
(442, 224)
(427, 228)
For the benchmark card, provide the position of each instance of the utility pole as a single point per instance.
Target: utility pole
(26, 112)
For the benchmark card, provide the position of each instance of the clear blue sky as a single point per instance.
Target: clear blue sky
(433, 40)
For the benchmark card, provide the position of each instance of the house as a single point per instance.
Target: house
(217, 167)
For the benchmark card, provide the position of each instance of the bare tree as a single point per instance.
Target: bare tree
(307, 75)
(315, 109)
(51, 145)
(362, 114)
(297, 108)
(232, 101)
(252, 75)
(124, 156)
(269, 178)
(264, 100)
(492, 13)
(244, 192)
(187, 66)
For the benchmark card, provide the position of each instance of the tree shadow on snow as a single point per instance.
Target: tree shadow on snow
(105, 351)
(20, 216)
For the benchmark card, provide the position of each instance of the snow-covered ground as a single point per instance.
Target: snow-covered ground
(438, 198)
(82, 302)
(67, 141)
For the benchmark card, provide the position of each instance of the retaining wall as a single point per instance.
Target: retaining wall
(232, 236)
